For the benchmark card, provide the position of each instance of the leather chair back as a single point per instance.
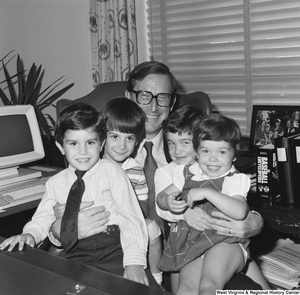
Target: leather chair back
(106, 91)
(98, 97)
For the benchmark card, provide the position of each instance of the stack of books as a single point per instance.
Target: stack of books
(278, 171)
(288, 160)
(281, 266)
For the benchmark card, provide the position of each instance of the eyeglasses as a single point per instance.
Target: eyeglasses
(145, 97)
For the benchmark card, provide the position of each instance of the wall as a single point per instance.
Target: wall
(56, 34)
(52, 33)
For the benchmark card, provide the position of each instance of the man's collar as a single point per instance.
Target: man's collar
(157, 141)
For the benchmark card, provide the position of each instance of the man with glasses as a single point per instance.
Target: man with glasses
(153, 87)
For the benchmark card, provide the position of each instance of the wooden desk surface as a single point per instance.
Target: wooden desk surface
(36, 272)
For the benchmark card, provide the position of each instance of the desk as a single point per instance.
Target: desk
(37, 272)
(13, 219)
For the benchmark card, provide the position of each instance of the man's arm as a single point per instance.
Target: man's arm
(247, 228)
(90, 222)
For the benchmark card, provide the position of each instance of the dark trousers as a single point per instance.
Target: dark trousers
(102, 251)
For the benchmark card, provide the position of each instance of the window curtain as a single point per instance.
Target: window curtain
(240, 52)
(113, 38)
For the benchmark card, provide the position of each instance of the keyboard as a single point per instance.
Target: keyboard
(20, 193)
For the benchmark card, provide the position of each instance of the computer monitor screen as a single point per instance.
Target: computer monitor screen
(20, 137)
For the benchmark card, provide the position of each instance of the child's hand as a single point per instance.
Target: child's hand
(175, 206)
(19, 239)
(136, 273)
(194, 194)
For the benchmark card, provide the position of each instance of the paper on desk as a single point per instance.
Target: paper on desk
(281, 266)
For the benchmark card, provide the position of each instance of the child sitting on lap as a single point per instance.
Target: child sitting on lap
(215, 140)
(125, 130)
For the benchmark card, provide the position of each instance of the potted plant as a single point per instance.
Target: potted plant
(29, 92)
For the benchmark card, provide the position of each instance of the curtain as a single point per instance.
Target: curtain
(240, 52)
(113, 38)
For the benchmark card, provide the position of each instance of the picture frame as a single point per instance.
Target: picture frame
(269, 122)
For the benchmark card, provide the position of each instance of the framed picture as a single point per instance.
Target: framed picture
(269, 122)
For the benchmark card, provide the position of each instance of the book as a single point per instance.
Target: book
(267, 182)
(295, 164)
(284, 162)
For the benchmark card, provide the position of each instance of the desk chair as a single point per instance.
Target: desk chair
(98, 97)
(106, 91)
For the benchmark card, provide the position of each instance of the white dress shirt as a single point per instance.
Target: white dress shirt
(164, 176)
(107, 185)
(157, 151)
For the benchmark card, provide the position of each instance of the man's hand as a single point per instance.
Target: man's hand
(197, 218)
(90, 221)
(247, 228)
(59, 210)
(136, 273)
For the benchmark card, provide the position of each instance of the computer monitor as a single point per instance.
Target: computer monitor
(20, 138)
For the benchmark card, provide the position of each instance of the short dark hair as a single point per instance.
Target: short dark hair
(217, 127)
(185, 119)
(124, 115)
(141, 71)
(78, 116)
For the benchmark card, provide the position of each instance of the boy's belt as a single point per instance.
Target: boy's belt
(111, 228)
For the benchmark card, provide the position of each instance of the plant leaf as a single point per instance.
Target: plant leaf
(10, 85)
(30, 82)
(43, 123)
(20, 70)
(47, 102)
(32, 98)
(7, 55)
(13, 76)
(54, 86)
(21, 98)
(4, 98)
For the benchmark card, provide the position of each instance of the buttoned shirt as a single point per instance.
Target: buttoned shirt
(157, 151)
(164, 177)
(107, 185)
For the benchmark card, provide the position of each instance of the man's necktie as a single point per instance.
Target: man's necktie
(69, 223)
(150, 168)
